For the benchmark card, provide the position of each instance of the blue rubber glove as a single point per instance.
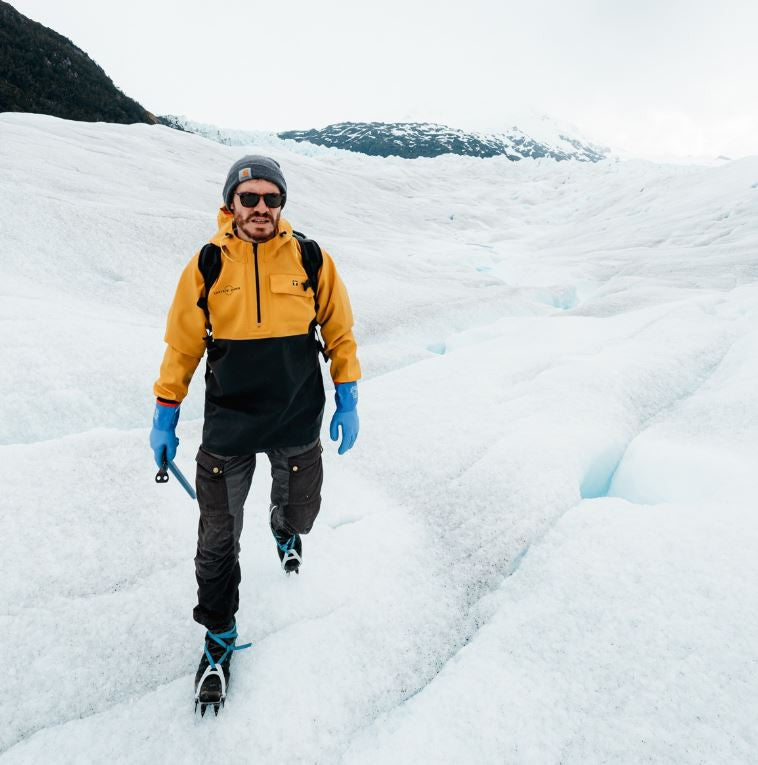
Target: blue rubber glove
(163, 438)
(346, 416)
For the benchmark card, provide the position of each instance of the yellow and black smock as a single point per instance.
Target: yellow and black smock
(263, 382)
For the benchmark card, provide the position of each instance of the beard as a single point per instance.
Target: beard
(257, 226)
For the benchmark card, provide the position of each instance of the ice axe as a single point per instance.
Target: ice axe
(162, 476)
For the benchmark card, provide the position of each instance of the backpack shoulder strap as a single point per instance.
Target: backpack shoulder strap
(313, 259)
(209, 264)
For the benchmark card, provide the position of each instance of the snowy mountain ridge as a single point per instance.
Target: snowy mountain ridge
(422, 139)
(412, 140)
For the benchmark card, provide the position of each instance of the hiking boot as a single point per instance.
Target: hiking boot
(290, 553)
(288, 545)
(212, 676)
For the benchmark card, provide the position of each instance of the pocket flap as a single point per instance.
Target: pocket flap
(291, 284)
(214, 465)
(306, 459)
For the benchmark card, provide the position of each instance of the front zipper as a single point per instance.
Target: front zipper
(257, 282)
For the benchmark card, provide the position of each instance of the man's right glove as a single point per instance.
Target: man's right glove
(163, 438)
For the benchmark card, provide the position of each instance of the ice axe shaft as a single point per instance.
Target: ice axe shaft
(162, 476)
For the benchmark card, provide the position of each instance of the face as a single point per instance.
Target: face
(259, 223)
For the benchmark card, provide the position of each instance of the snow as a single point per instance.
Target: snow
(541, 548)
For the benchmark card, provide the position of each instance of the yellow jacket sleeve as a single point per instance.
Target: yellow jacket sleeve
(185, 333)
(335, 316)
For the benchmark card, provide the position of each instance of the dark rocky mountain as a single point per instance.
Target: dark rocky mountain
(423, 139)
(43, 72)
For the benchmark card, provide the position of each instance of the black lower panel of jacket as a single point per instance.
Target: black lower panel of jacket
(262, 394)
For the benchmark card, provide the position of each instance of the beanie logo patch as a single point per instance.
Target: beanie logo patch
(245, 174)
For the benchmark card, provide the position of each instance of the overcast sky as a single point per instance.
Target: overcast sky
(652, 77)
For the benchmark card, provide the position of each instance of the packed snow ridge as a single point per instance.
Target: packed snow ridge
(541, 548)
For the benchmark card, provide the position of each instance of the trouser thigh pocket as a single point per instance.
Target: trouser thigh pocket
(306, 474)
(217, 535)
(210, 484)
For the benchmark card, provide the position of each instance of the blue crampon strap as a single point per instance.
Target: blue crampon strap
(220, 637)
(288, 545)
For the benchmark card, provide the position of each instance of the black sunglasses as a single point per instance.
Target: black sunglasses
(251, 199)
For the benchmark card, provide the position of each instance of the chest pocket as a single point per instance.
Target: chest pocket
(293, 307)
(290, 284)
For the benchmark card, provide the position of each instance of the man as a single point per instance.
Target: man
(264, 391)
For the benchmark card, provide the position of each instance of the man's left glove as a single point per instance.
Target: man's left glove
(346, 416)
(163, 438)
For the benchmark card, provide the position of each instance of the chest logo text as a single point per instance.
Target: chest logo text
(228, 290)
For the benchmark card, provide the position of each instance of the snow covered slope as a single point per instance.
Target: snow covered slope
(542, 547)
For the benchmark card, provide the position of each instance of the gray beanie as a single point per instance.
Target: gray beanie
(249, 167)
